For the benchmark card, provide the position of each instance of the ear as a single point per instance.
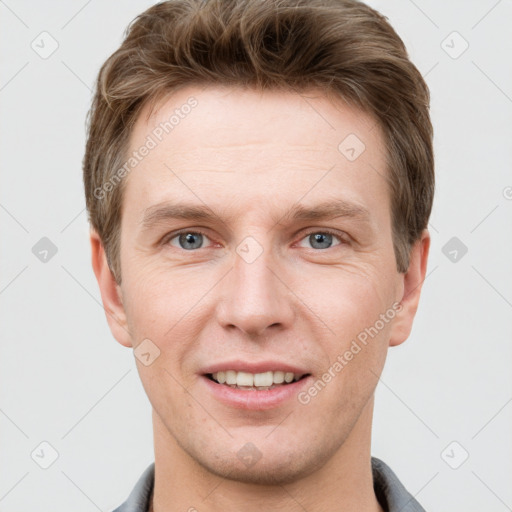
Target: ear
(411, 285)
(111, 294)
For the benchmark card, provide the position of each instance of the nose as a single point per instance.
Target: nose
(255, 297)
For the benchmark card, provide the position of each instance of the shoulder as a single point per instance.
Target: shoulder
(138, 500)
(390, 492)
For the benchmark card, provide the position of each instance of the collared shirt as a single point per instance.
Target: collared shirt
(392, 495)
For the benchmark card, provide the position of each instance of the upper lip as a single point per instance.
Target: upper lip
(253, 367)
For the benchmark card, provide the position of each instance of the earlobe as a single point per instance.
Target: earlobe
(110, 292)
(412, 284)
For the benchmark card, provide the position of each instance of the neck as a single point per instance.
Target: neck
(344, 482)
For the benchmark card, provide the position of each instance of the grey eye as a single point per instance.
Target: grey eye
(189, 240)
(322, 239)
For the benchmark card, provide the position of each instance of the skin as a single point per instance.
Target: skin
(250, 156)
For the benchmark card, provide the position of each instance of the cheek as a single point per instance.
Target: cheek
(166, 306)
(355, 299)
(155, 294)
(360, 313)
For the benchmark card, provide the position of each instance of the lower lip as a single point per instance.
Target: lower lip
(255, 400)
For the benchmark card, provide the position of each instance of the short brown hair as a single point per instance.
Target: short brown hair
(341, 47)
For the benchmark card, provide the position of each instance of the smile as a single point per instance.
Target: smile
(255, 381)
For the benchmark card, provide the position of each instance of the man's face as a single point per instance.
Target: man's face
(254, 288)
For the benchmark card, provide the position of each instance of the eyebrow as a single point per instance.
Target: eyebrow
(323, 211)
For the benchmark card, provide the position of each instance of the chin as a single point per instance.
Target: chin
(271, 469)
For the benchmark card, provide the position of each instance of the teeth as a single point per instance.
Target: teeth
(278, 377)
(263, 379)
(230, 377)
(244, 379)
(259, 380)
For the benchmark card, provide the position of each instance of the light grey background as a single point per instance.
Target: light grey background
(66, 381)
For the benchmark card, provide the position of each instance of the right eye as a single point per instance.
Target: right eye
(187, 240)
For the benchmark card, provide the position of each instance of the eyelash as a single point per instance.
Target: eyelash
(342, 240)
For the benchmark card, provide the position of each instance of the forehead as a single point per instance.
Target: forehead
(220, 144)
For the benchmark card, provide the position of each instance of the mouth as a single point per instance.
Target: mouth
(254, 385)
(264, 381)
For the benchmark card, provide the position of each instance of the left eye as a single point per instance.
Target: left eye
(322, 239)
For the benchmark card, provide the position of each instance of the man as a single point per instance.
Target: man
(259, 177)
